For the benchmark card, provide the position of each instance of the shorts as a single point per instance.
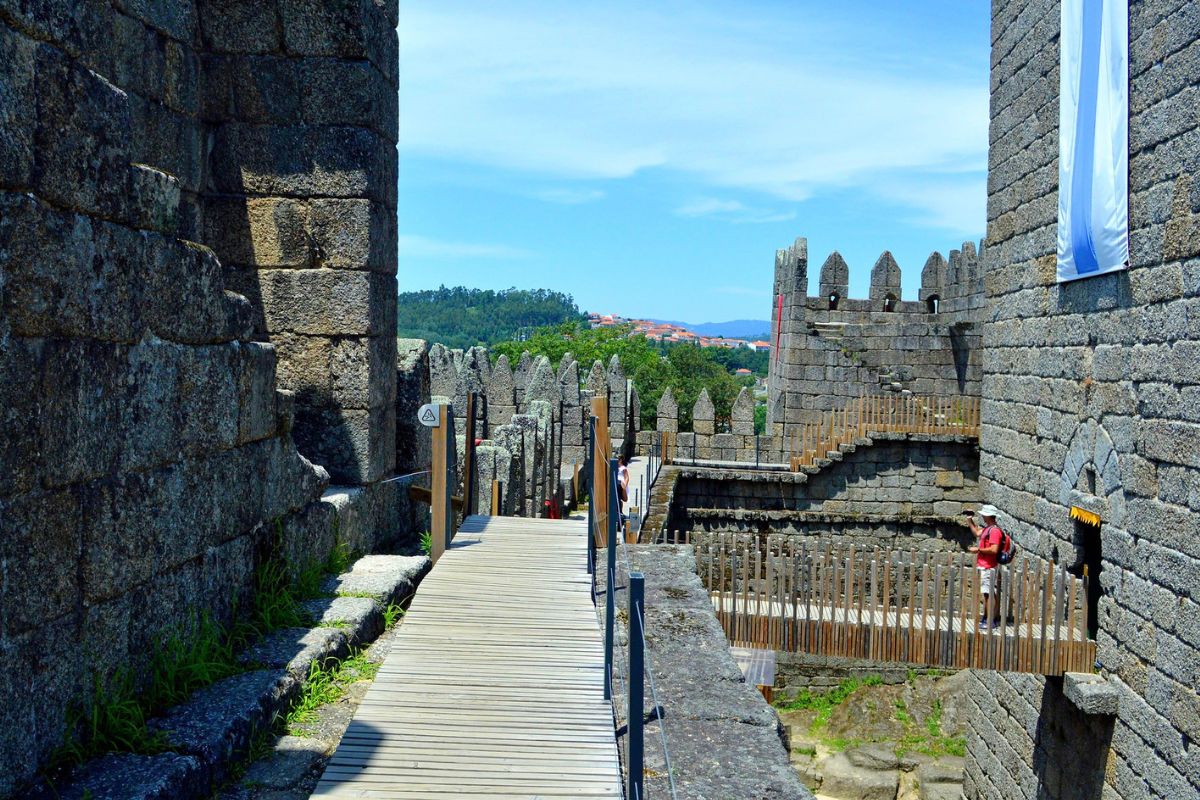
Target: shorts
(987, 579)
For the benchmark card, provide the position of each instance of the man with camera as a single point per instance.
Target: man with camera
(990, 542)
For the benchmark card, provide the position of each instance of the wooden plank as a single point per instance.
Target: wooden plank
(476, 701)
(1072, 650)
(1004, 575)
(1056, 647)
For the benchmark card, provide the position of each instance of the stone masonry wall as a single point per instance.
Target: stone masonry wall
(532, 426)
(832, 347)
(1091, 397)
(898, 482)
(152, 157)
(299, 108)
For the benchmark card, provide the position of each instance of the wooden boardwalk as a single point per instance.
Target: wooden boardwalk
(493, 686)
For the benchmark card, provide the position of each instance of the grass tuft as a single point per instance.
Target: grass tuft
(327, 683)
(201, 653)
(185, 661)
(113, 722)
(392, 615)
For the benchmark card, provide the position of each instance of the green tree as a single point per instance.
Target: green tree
(760, 418)
(462, 317)
(652, 367)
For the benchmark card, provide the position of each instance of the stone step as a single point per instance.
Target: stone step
(213, 730)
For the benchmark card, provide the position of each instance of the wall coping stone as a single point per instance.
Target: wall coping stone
(1091, 694)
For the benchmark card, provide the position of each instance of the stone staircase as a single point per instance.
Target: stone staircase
(659, 507)
(890, 380)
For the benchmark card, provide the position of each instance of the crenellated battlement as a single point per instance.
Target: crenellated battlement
(831, 345)
(948, 286)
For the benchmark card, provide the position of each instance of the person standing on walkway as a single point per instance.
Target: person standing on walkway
(623, 488)
(987, 550)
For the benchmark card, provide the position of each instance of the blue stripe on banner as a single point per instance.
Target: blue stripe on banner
(1083, 246)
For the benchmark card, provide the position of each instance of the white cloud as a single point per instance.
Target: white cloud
(411, 246)
(951, 202)
(783, 105)
(731, 211)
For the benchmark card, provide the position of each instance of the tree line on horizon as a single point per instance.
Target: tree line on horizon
(549, 323)
(652, 366)
(460, 317)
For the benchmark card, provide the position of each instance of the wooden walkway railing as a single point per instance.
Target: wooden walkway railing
(863, 416)
(807, 595)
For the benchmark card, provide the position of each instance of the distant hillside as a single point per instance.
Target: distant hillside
(734, 329)
(462, 317)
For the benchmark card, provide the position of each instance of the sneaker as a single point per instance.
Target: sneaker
(984, 625)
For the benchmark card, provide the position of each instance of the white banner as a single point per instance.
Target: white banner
(1093, 159)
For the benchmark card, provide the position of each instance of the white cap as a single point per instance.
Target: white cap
(989, 510)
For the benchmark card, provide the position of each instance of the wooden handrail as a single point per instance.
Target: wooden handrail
(867, 414)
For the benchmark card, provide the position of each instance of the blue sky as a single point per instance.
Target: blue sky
(649, 158)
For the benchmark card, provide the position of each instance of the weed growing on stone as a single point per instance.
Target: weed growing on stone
(276, 601)
(824, 702)
(340, 557)
(933, 723)
(838, 744)
(185, 661)
(392, 615)
(308, 582)
(319, 689)
(114, 721)
(426, 542)
(326, 683)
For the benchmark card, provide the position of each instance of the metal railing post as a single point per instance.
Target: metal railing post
(637, 662)
(756, 451)
(614, 513)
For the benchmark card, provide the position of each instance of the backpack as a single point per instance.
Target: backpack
(1008, 548)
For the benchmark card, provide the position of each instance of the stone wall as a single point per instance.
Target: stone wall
(299, 108)
(532, 424)
(898, 531)
(832, 347)
(1090, 398)
(152, 157)
(725, 740)
(901, 478)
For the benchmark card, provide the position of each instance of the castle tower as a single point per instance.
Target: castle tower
(787, 326)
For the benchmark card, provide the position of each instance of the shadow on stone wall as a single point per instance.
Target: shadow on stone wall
(1070, 748)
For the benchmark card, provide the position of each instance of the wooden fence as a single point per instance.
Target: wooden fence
(862, 416)
(808, 595)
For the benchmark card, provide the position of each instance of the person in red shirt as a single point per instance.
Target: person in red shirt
(987, 551)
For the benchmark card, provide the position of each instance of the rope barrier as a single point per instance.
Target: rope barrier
(662, 725)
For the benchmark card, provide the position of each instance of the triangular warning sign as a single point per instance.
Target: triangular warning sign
(428, 415)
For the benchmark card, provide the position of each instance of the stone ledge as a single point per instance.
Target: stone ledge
(219, 721)
(1091, 694)
(387, 579)
(215, 727)
(129, 777)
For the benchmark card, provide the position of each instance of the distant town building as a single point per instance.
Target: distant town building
(671, 333)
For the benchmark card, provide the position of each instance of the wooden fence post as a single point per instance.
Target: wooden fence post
(441, 512)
